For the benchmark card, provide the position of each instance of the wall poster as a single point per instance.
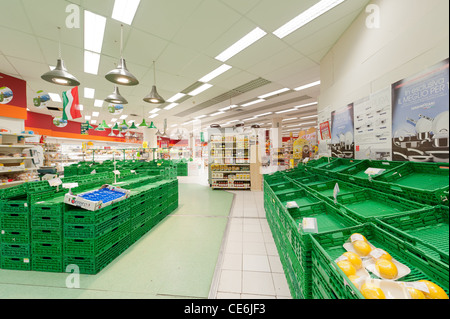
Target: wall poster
(342, 133)
(373, 128)
(420, 116)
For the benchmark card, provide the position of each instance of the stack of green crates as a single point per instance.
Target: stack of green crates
(15, 237)
(47, 234)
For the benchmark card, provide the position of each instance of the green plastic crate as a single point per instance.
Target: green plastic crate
(427, 230)
(15, 236)
(15, 221)
(15, 263)
(46, 248)
(367, 205)
(325, 190)
(46, 222)
(77, 215)
(46, 235)
(337, 166)
(320, 162)
(356, 172)
(329, 246)
(302, 197)
(15, 250)
(311, 180)
(47, 263)
(17, 205)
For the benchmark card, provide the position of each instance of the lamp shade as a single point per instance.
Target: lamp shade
(116, 127)
(124, 125)
(154, 97)
(104, 125)
(115, 97)
(59, 75)
(152, 125)
(133, 126)
(143, 124)
(121, 75)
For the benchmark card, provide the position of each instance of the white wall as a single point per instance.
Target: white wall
(413, 35)
(11, 124)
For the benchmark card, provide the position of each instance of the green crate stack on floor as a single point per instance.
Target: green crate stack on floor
(92, 239)
(172, 196)
(47, 233)
(141, 212)
(15, 252)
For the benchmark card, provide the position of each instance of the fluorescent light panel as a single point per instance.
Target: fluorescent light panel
(170, 106)
(308, 117)
(228, 108)
(91, 62)
(87, 117)
(176, 97)
(253, 102)
(94, 30)
(155, 110)
(273, 93)
(98, 103)
(55, 97)
(95, 114)
(307, 86)
(200, 117)
(153, 116)
(217, 113)
(242, 44)
(264, 114)
(290, 119)
(125, 10)
(306, 105)
(199, 90)
(123, 117)
(89, 93)
(286, 111)
(220, 70)
(305, 17)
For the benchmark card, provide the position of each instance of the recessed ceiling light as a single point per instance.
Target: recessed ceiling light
(307, 86)
(221, 69)
(98, 103)
(123, 117)
(170, 106)
(114, 120)
(93, 121)
(176, 97)
(308, 117)
(249, 119)
(89, 93)
(199, 90)
(95, 114)
(94, 30)
(55, 97)
(228, 108)
(305, 105)
(153, 116)
(125, 10)
(240, 45)
(264, 114)
(80, 107)
(305, 17)
(290, 119)
(273, 93)
(217, 113)
(91, 62)
(253, 102)
(87, 117)
(200, 117)
(155, 110)
(286, 111)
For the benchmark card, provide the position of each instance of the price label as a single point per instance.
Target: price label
(116, 172)
(70, 185)
(55, 182)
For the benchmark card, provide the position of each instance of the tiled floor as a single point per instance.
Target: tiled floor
(249, 266)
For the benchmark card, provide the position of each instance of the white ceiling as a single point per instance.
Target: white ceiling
(183, 37)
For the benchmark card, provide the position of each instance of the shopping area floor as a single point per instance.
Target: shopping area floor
(216, 245)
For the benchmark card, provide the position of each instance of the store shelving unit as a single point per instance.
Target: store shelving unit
(229, 159)
(15, 165)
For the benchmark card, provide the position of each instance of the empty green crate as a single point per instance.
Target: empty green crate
(301, 197)
(337, 166)
(141, 218)
(427, 230)
(14, 205)
(320, 162)
(275, 179)
(46, 222)
(357, 171)
(311, 180)
(15, 236)
(94, 230)
(78, 215)
(15, 263)
(46, 248)
(47, 263)
(329, 246)
(94, 264)
(369, 204)
(325, 190)
(95, 246)
(297, 173)
(13, 192)
(15, 250)
(15, 221)
(284, 188)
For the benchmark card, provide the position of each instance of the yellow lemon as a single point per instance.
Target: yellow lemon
(435, 292)
(387, 269)
(370, 291)
(361, 247)
(347, 267)
(415, 293)
(378, 253)
(357, 236)
(354, 259)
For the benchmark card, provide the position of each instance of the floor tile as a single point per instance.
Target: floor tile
(275, 264)
(259, 283)
(230, 281)
(232, 261)
(255, 263)
(281, 286)
(254, 248)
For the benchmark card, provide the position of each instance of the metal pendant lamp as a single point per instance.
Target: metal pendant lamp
(121, 75)
(104, 125)
(59, 75)
(154, 97)
(115, 97)
(124, 125)
(143, 124)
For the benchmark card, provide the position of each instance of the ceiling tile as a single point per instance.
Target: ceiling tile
(18, 20)
(25, 45)
(241, 6)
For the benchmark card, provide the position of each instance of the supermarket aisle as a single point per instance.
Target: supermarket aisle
(249, 267)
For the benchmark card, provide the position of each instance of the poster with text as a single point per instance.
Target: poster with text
(373, 126)
(342, 135)
(420, 116)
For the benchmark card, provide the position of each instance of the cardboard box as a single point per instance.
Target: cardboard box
(77, 200)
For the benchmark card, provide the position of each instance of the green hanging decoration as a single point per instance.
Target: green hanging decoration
(152, 125)
(143, 124)
(133, 126)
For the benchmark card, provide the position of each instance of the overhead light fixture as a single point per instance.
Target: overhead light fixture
(154, 97)
(55, 97)
(100, 128)
(200, 89)
(153, 116)
(121, 75)
(228, 108)
(307, 86)
(94, 30)
(286, 111)
(123, 117)
(306, 105)
(253, 102)
(133, 126)
(264, 114)
(116, 127)
(143, 124)
(200, 117)
(59, 75)
(220, 70)
(307, 123)
(176, 97)
(90, 127)
(98, 103)
(124, 125)
(170, 106)
(290, 119)
(104, 125)
(217, 113)
(115, 97)
(91, 62)
(242, 44)
(249, 119)
(89, 93)
(125, 10)
(273, 93)
(308, 117)
(95, 114)
(307, 16)
(87, 117)
(155, 110)
(152, 125)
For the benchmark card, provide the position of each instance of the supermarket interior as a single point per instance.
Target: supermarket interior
(223, 149)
